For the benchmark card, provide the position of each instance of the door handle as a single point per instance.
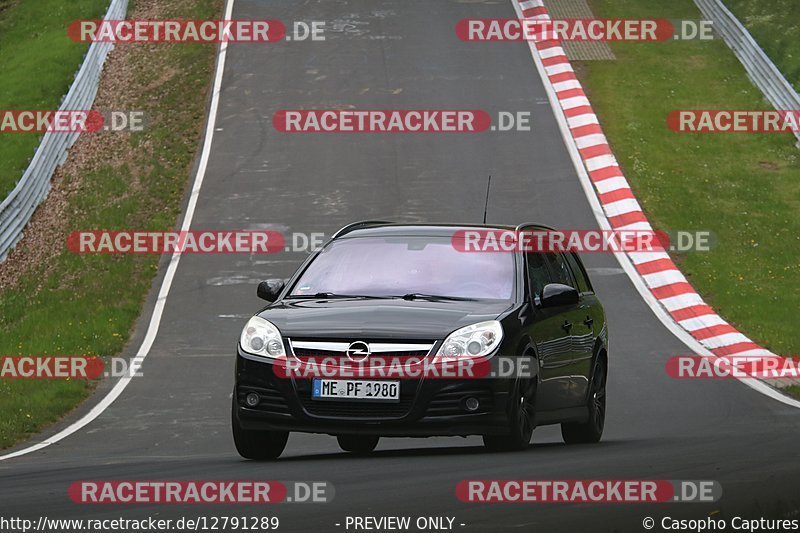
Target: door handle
(566, 326)
(589, 321)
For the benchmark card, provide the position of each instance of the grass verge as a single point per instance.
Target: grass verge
(62, 303)
(745, 188)
(38, 62)
(775, 25)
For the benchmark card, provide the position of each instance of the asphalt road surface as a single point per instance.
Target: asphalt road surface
(173, 423)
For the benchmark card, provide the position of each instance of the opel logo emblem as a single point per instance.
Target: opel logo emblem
(358, 351)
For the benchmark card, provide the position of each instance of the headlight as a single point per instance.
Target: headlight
(477, 340)
(261, 337)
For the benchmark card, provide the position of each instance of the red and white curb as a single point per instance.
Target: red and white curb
(619, 206)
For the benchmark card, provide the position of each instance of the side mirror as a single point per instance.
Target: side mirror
(558, 295)
(270, 290)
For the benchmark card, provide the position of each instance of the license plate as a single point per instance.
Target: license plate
(349, 389)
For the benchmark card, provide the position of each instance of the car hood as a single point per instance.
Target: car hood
(379, 319)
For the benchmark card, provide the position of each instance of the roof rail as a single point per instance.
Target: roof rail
(362, 223)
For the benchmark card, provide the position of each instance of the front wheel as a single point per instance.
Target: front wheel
(258, 445)
(358, 444)
(591, 431)
(521, 414)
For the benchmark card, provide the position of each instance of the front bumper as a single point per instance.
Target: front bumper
(427, 407)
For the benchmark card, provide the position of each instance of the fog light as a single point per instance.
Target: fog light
(252, 399)
(472, 404)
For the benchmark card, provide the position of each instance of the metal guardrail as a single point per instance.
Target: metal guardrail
(18, 207)
(760, 68)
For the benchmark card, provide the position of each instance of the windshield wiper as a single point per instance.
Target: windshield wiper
(331, 295)
(435, 297)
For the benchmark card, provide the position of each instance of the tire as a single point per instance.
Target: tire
(591, 431)
(358, 444)
(258, 445)
(521, 416)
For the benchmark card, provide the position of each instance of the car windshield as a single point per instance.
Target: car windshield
(400, 266)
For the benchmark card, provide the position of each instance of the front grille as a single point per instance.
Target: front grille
(306, 353)
(314, 349)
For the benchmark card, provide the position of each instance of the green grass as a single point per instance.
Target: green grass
(38, 62)
(745, 188)
(79, 304)
(775, 25)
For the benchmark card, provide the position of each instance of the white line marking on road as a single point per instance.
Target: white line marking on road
(155, 321)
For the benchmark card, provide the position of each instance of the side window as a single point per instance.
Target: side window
(559, 270)
(538, 276)
(579, 273)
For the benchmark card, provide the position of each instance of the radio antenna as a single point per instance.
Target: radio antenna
(486, 205)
